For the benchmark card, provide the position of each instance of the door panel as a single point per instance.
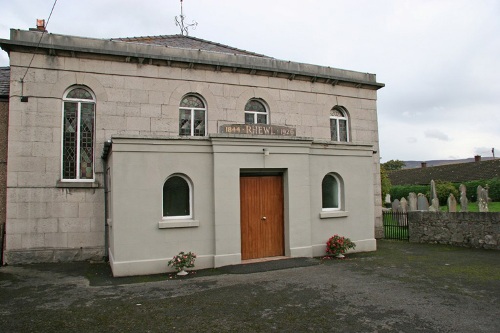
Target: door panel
(261, 216)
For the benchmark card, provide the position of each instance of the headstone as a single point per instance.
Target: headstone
(422, 203)
(434, 199)
(464, 203)
(387, 198)
(483, 200)
(433, 190)
(412, 202)
(403, 205)
(452, 203)
(434, 205)
(395, 205)
(478, 192)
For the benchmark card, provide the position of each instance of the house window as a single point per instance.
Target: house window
(331, 192)
(176, 198)
(192, 116)
(78, 133)
(255, 112)
(338, 124)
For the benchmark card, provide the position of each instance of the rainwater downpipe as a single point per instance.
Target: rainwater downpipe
(104, 157)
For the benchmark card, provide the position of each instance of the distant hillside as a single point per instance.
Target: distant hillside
(418, 164)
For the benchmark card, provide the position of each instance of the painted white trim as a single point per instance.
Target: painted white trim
(173, 223)
(333, 214)
(153, 266)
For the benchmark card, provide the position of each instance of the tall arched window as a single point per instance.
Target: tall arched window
(331, 192)
(192, 116)
(78, 133)
(339, 128)
(256, 112)
(177, 197)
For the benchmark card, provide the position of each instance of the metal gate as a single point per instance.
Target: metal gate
(395, 225)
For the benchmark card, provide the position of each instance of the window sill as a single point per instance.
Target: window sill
(77, 184)
(170, 224)
(333, 214)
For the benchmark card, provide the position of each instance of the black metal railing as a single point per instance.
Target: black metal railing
(395, 225)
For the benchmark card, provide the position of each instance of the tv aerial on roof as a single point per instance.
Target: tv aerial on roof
(179, 21)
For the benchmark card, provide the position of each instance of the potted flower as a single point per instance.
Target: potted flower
(338, 245)
(182, 261)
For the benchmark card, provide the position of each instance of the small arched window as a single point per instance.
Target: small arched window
(177, 197)
(256, 112)
(192, 116)
(78, 133)
(339, 128)
(331, 192)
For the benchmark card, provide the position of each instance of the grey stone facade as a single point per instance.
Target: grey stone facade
(477, 230)
(138, 89)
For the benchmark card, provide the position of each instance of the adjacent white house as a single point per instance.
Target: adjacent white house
(138, 148)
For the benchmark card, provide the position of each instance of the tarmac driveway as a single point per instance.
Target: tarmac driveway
(402, 287)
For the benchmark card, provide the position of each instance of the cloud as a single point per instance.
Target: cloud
(436, 134)
(411, 140)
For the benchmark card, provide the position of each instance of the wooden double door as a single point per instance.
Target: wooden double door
(262, 223)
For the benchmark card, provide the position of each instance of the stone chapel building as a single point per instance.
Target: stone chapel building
(139, 148)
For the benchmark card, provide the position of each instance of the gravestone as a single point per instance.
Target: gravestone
(412, 202)
(395, 205)
(422, 203)
(387, 203)
(452, 203)
(464, 203)
(433, 190)
(434, 199)
(482, 200)
(403, 206)
(478, 193)
(403, 217)
(434, 205)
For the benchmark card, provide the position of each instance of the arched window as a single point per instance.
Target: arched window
(78, 133)
(192, 116)
(331, 192)
(256, 112)
(177, 197)
(339, 128)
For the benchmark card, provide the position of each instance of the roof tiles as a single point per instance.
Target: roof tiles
(188, 42)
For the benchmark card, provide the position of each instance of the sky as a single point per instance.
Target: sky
(439, 59)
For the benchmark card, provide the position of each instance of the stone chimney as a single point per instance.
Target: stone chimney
(477, 158)
(424, 164)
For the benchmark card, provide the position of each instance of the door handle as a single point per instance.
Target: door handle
(264, 218)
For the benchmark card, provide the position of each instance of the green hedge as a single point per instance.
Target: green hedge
(443, 190)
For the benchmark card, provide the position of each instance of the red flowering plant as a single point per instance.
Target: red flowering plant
(182, 260)
(338, 245)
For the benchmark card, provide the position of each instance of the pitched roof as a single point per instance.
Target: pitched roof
(188, 42)
(4, 81)
(454, 173)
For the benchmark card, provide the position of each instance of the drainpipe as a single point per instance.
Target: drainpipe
(104, 157)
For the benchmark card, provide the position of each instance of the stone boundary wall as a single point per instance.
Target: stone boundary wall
(477, 230)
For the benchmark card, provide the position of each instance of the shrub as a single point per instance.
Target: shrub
(338, 245)
(443, 190)
(182, 260)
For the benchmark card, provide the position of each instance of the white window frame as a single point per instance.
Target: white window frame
(79, 101)
(255, 113)
(179, 217)
(192, 112)
(339, 194)
(337, 123)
